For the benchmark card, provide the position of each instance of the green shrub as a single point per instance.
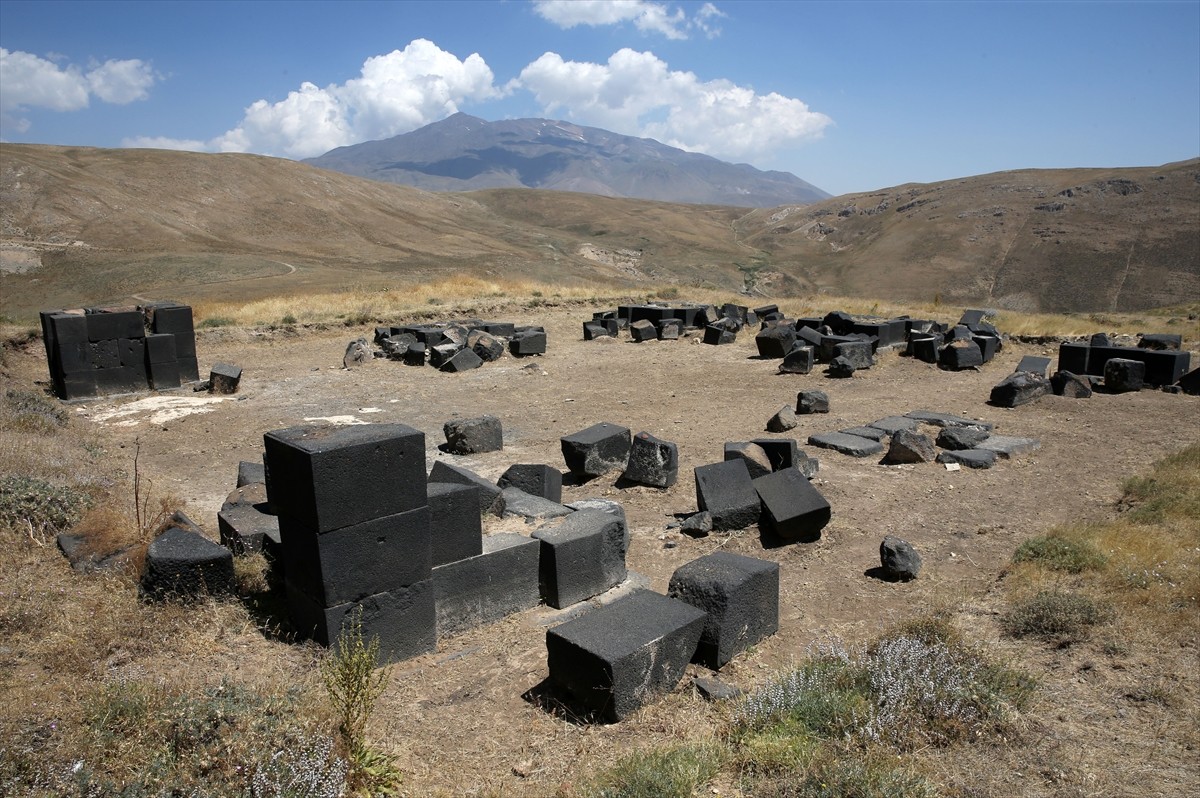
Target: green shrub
(1054, 616)
(34, 505)
(851, 775)
(665, 773)
(288, 319)
(215, 321)
(1059, 553)
(33, 412)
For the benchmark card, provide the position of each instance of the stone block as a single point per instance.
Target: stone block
(960, 355)
(783, 420)
(1100, 339)
(519, 504)
(245, 522)
(898, 559)
(490, 498)
(1123, 376)
(669, 329)
(81, 385)
(827, 350)
(617, 658)
(462, 360)
(105, 354)
(782, 452)
(162, 376)
(596, 450)
(726, 491)
(353, 562)
(404, 619)
(328, 477)
(1019, 388)
(473, 435)
(1034, 364)
(740, 597)
(754, 456)
(172, 319)
(652, 461)
(598, 329)
(972, 317)
(455, 528)
(893, 424)
(812, 402)
(988, 345)
(440, 354)
(798, 360)
(1006, 446)
(643, 330)
(536, 479)
(122, 379)
(791, 507)
(132, 352)
(925, 348)
(856, 353)
(414, 355)
(1073, 358)
(910, 447)
(775, 342)
(971, 458)
(946, 419)
(181, 564)
(1190, 383)
(583, 555)
(488, 347)
(498, 581)
(872, 433)
(717, 335)
(189, 368)
(852, 445)
(111, 325)
(160, 348)
(958, 438)
(250, 473)
(1160, 341)
(1072, 386)
(499, 329)
(527, 343)
(225, 378)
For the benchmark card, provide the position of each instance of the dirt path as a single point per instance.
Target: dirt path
(457, 716)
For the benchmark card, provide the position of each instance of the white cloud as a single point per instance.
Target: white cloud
(647, 16)
(394, 93)
(637, 94)
(705, 20)
(163, 143)
(31, 81)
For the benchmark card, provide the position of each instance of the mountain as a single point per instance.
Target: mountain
(85, 226)
(464, 153)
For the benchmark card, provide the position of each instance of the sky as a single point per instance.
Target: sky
(850, 96)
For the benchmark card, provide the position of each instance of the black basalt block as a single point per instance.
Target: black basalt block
(496, 582)
(105, 354)
(726, 491)
(618, 658)
(490, 500)
(1034, 364)
(717, 335)
(455, 526)
(110, 325)
(160, 348)
(328, 477)
(782, 452)
(652, 461)
(527, 343)
(171, 318)
(1073, 357)
(189, 368)
(122, 379)
(583, 555)
(775, 342)
(182, 564)
(352, 562)
(536, 479)
(740, 597)
(404, 619)
(792, 508)
(162, 376)
(596, 450)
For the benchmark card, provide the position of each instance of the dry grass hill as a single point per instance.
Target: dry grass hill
(83, 225)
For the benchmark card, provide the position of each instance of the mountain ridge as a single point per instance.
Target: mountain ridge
(466, 153)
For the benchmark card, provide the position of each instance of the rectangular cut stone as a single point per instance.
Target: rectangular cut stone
(1073, 357)
(536, 479)
(329, 477)
(243, 528)
(596, 450)
(946, 419)
(740, 597)
(455, 527)
(1006, 446)
(583, 555)
(1034, 364)
(160, 348)
(171, 318)
(360, 560)
(499, 581)
(121, 379)
(489, 494)
(792, 508)
(853, 445)
(893, 424)
(617, 658)
(109, 326)
(527, 343)
(726, 491)
(75, 386)
(782, 452)
(404, 619)
(1162, 367)
(162, 376)
(189, 368)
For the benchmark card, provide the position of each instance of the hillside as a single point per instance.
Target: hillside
(93, 226)
(464, 153)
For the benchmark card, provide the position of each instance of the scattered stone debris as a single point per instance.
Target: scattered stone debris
(898, 559)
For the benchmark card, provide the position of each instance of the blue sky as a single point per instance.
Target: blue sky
(850, 96)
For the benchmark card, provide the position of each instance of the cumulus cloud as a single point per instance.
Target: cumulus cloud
(164, 143)
(31, 81)
(637, 93)
(394, 93)
(646, 16)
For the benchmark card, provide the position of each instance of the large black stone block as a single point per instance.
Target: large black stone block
(160, 348)
(792, 508)
(455, 525)
(583, 555)
(111, 325)
(162, 376)
(182, 564)
(652, 461)
(498, 581)
(726, 491)
(473, 435)
(490, 500)
(960, 355)
(329, 477)
(596, 450)
(536, 479)
(1122, 375)
(359, 560)
(527, 343)
(617, 658)
(404, 619)
(775, 342)
(1019, 388)
(740, 597)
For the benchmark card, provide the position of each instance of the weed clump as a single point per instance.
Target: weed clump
(1060, 553)
(38, 507)
(1055, 616)
(662, 773)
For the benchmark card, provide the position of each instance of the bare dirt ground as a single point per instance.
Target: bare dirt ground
(457, 718)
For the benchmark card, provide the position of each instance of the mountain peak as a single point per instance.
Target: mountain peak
(465, 153)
